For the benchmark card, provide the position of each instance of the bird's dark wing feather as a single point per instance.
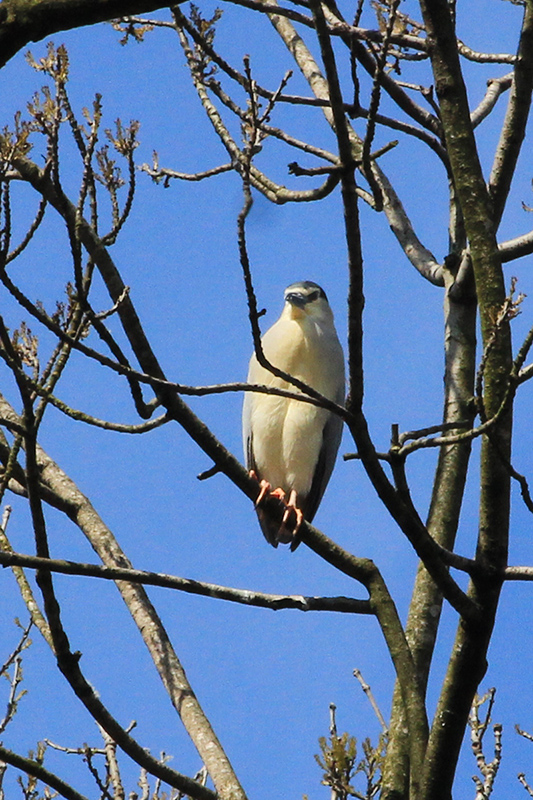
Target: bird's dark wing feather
(331, 439)
(249, 453)
(270, 529)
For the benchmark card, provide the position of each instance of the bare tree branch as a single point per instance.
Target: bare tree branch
(516, 248)
(495, 88)
(243, 596)
(31, 767)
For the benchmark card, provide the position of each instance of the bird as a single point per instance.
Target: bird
(289, 444)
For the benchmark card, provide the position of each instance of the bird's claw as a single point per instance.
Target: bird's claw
(266, 489)
(286, 533)
(294, 530)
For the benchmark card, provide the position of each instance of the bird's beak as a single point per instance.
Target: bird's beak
(296, 299)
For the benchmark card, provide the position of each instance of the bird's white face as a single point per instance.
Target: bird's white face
(306, 299)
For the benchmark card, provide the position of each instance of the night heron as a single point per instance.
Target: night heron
(291, 446)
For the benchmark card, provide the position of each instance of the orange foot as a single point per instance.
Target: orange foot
(266, 489)
(291, 533)
(286, 533)
(292, 507)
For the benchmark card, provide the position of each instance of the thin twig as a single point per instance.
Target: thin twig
(368, 691)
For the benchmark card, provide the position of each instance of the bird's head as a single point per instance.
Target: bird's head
(307, 299)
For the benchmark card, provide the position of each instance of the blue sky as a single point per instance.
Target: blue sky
(265, 679)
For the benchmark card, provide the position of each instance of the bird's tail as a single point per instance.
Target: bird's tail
(273, 533)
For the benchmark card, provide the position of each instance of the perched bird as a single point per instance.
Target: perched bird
(290, 445)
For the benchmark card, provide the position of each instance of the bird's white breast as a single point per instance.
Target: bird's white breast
(287, 435)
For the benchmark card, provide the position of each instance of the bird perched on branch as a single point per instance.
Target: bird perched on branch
(290, 446)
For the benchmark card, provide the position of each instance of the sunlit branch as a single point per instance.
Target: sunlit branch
(23, 641)
(162, 173)
(516, 248)
(86, 150)
(404, 40)
(14, 427)
(443, 426)
(419, 43)
(125, 143)
(518, 574)
(484, 58)
(25, 589)
(371, 699)
(274, 8)
(299, 144)
(523, 483)
(11, 669)
(442, 441)
(495, 88)
(477, 731)
(125, 24)
(242, 596)
(420, 257)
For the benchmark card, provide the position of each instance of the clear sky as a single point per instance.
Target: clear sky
(265, 679)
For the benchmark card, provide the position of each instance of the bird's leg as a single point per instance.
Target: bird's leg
(291, 506)
(266, 489)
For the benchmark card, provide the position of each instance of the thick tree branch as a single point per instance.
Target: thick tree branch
(443, 519)
(420, 257)
(25, 21)
(495, 89)
(468, 661)
(32, 767)
(516, 248)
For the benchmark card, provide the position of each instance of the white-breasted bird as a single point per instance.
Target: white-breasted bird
(291, 446)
